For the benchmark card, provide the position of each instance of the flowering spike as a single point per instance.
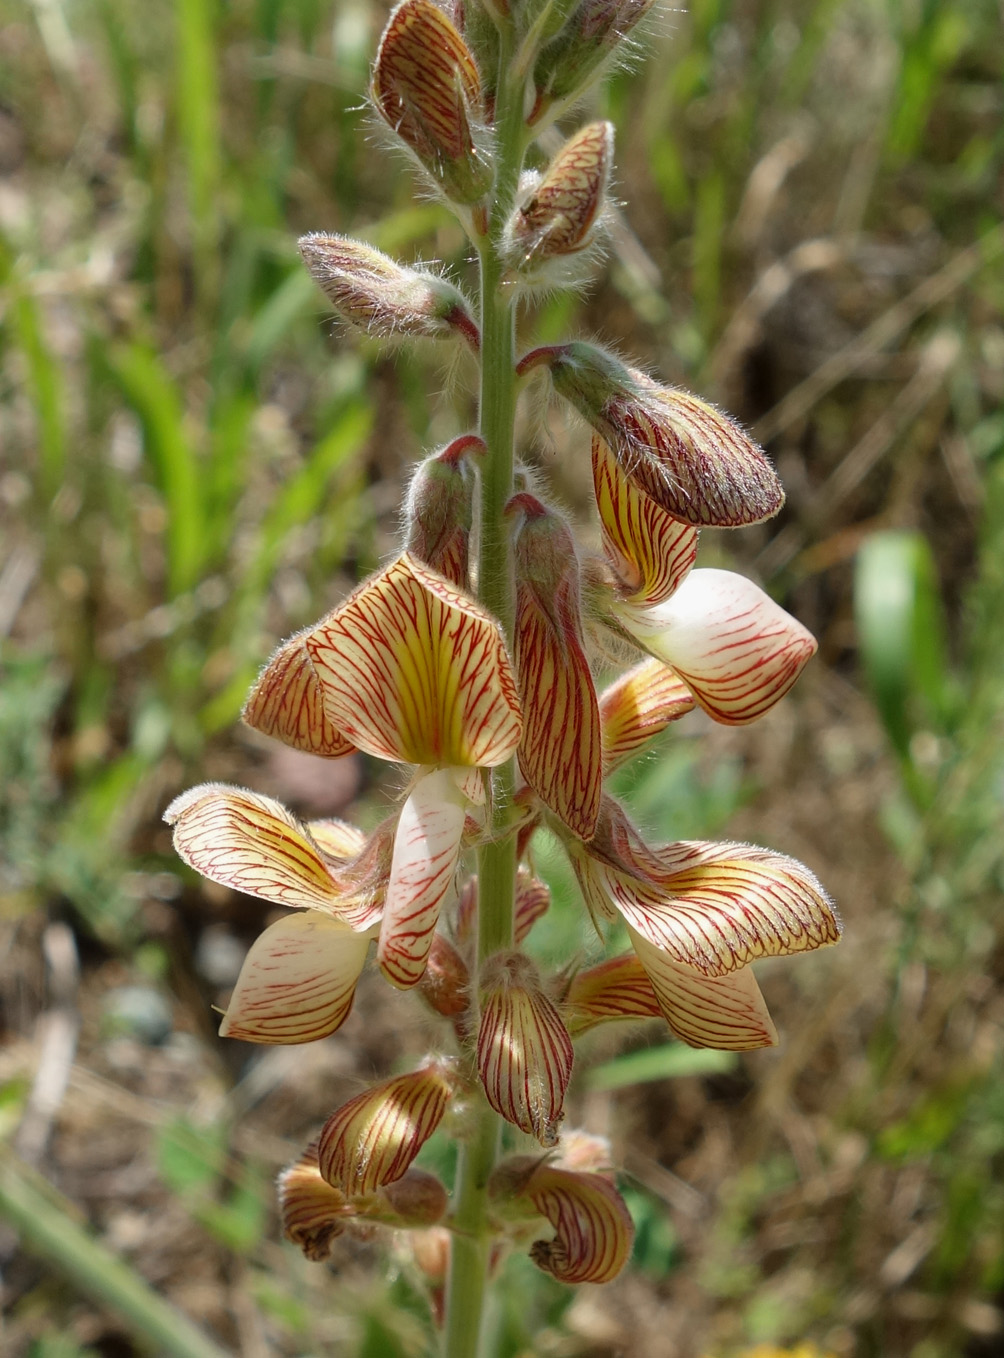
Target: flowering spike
(559, 216)
(427, 86)
(524, 1052)
(414, 670)
(251, 843)
(693, 461)
(561, 751)
(423, 869)
(440, 509)
(371, 1140)
(736, 649)
(650, 551)
(616, 989)
(725, 1012)
(591, 33)
(312, 1212)
(287, 703)
(385, 298)
(297, 982)
(637, 707)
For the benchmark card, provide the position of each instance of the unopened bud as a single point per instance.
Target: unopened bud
(590, 35)
(561, 751)
(385, 298)
(313, 1213)
(417, 1199)
(440, 509)
(559, 216)
(427, 86)
(693, 461)
(445, 982)
(524, 1052)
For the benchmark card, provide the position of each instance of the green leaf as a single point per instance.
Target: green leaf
(668, 1062)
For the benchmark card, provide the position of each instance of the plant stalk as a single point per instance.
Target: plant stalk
(497, 592)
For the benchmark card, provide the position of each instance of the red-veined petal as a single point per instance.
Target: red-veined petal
(593, 1228)
(618, 988)
(422, 875)
(524, 1052)
(650, 551)
(312, 1212)
(533, 899)
(337, 840)
(734, 647)
(297, 981)
(560, 213)
(287, 702)
(372, 1139)
(414, 670)
(725, 1012)
(637, 707)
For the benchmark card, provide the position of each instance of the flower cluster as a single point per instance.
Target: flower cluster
(413, 668)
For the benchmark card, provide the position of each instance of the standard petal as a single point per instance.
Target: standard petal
(422, 875)
(297, 981)
(637, 707)
(413, 670)
(252, 844)
(716, 907)
(734, 647)
(287, 702)
(312, 1212)
(524, 1052)
(593, 1228)
(726, 1012)
(372, 1139)
(616, 989)
(650, 551)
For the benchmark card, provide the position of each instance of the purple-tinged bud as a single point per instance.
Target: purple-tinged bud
(694, 462)
(524, 1052)
(440, 509)
(559, 216)
(385, 298)
(427, 86)
(590, 35)
(416, 1200)
(561, 752)
(445, 983)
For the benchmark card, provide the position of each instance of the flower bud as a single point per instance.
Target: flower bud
(371, 1140)
(440, 510)
(417, 1199)
(693, 461)
(312, 1212)
(524, 1052)
(590, 35)
(561, 751)
(427, 86)
(445, 981)
(385, 298)
(558, 217)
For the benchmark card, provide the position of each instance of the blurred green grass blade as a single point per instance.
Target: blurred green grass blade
(197, 111)
(668, 1062)
(153, 395)
(297, 296)
(898, 613)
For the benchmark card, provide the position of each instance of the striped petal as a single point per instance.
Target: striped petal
(734, 647)
(422, 875)
(287, 702)
(561, 751)
(337, 840)
(637, 707)
(312, 1212)
(524, 1052)
(251, 844)
(593, 1231)
(415, 671)
(533, 899)
(616, 989)
(560, 213)
(297, 981)
(717, 907)
(726, 1012)
(372, 1139)
(650, 551)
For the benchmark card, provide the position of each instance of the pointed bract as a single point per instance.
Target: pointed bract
(414, 670)
(287, 702)
(371, 1140)
(524, 1052)
(297, 982)
(637, 707)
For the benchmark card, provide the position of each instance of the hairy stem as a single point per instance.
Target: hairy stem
(496, 590)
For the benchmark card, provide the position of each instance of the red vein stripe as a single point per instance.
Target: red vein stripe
(640, 705)
(372, 1139)
(533, 898)
(593, 1228)
(413, 670)
(524, 1052)
(312, 1212)
(287, 703)
(618, 988)
(559, 215)
(650, 551)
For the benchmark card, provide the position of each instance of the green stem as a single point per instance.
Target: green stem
(497, 591)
